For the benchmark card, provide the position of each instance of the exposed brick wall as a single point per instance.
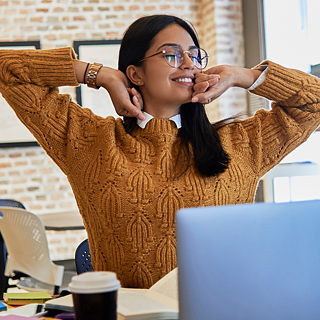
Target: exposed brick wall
(28, 174)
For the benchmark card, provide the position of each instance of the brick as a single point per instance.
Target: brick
(5, 165)
(35, 207)
(64, 187)
(97, 35)
(25, 11)
(46, 170)
(103, 8)
(134, 7)
(53, 19)
(165, 7)
(58, 9)
(71, 240)
(30, 3)
(119, 25)
(2, 182)
(60, 250)
(72, 27)
(19, 181)
(57, 28)
(46, 1)
(149, 8)
(36, 19)
(34, 38)
(37, 162)
(18, 190)
(111, 16)
(42, 28)
(49, 188)
(73, 9)
(55, 241)
(14, 173)
(56, 196)
(50, 206)
(41, 198)
(96, 17)
(87, 8)
(18, 38)
(3, 191)
(25, 199)
(31, 189)
(26, 28)
(65, 19)
(9, 12)
(77, 1)
(29, 171)
(3, 3)
(93, 1)
(15, 155)
(118, 8)
(79, 18)
(31, 154)
(36, 180)
(104, 26)
(42, 10)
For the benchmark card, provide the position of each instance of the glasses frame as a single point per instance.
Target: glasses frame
(182, 60)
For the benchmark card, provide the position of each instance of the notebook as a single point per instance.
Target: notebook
(251, 261)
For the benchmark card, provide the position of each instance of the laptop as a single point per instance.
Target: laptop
(251, 261)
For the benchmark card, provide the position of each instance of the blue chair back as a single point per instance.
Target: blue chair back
(83, 258)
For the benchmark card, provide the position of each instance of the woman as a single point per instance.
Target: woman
(129, 178)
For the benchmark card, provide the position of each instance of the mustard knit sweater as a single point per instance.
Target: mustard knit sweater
(123, 183)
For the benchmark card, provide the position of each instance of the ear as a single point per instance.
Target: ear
(134, 74)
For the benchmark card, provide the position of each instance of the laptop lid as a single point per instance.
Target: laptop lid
(251, 261)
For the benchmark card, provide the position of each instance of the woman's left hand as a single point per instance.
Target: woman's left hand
(213, 82)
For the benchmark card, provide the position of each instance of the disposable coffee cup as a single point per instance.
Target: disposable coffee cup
(95, 295)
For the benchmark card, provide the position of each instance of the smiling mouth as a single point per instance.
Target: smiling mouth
(183, 80)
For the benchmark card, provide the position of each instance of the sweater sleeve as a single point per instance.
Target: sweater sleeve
(29, 81)
(263, 140)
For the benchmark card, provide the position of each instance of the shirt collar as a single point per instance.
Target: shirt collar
(147, 117)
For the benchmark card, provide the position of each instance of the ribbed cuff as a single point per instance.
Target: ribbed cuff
(281, 83)
(53, 67)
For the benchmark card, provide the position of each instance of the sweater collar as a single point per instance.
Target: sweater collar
(147, 117)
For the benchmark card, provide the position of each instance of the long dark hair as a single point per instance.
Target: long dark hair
(209, 156)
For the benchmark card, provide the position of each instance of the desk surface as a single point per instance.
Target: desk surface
(62, 221)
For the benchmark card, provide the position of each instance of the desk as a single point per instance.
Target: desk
(62, 221)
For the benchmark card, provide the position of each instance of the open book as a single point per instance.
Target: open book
(158, 302)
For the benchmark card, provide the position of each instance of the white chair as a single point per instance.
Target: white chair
(25, 237)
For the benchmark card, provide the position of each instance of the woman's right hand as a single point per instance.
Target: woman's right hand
(126, 100)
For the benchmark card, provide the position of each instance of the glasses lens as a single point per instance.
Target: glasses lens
(174, 56)
(199, 58)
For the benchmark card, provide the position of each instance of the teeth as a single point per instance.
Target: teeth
(184, 80)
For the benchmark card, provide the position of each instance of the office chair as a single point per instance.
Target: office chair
(28, 252)
(83, 258)
(3, 250)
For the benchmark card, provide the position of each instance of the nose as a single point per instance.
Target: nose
(187, 61)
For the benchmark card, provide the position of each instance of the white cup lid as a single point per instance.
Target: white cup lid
(94, 282)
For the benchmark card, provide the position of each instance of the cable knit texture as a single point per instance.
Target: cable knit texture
(124, 184)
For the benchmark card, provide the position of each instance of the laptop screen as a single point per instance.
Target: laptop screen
(250, 261)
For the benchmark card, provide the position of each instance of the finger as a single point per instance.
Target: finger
(211, 94)
(203, 86)
(136, 98)
(204, 77)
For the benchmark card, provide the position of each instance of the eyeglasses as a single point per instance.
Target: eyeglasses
(174, 56)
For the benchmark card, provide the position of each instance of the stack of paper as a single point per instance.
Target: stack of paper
(22, 298)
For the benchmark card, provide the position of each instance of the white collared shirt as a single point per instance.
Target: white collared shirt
(177, 118)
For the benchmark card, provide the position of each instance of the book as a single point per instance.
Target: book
(3, 307)
(22, 298)
(158, 302)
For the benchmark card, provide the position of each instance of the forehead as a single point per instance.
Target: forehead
(174, 34)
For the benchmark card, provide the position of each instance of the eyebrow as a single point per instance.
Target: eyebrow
(176, 45)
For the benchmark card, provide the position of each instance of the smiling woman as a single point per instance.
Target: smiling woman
(130, 176)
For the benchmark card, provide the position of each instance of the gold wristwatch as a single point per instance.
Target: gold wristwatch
(91, 77)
